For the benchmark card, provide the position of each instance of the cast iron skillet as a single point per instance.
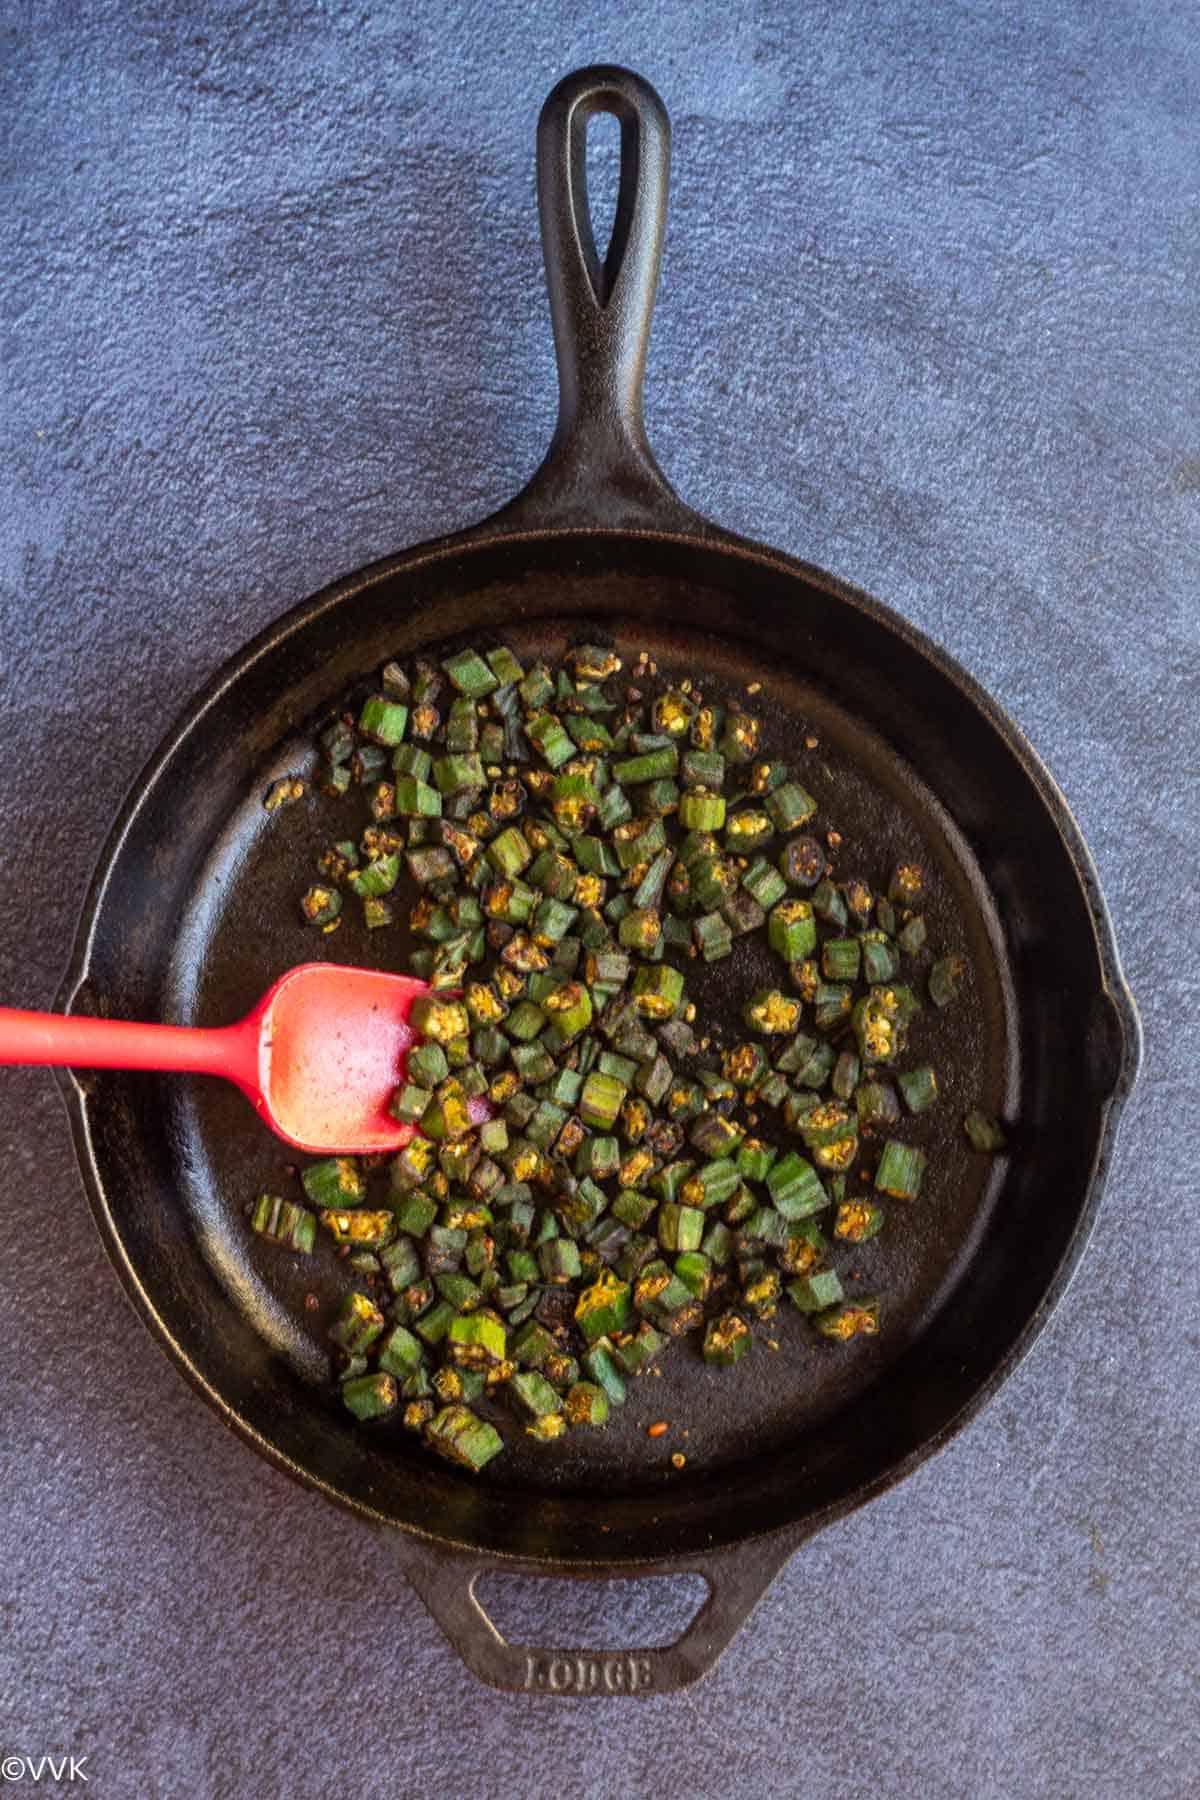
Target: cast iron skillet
(191, 915)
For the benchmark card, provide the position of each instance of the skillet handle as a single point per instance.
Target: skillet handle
(599, 469)
(445, 1579)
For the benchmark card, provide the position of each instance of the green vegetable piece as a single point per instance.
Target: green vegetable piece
(415, 1213)
(714, 939)
(559, 1261)
(357, 1324)
(840, 959)
(857, 1221)
(416, 799)
(983, 1133)
(370, 1396)
(604, 1308)
(701, 811)
(651, 766)
(945, 979)
(875, 1103)
(900, 1171)
(764, 883)
(911, 937)
(680, 1227)
(375, 878)
(409, 1102)
(433, 1325)
(383, 721)
(792, 930)
(828, 904)
(726, 1340)
(852, 1318)
(635, 1354)
(703, 769)
(790, 806)
(658, 991)
(812, 1293)
(283, 1222)
(336, 1182)
(755, 1160)
(477, 1340)
(320, 905)
(459, 774)
(771, 1013)
(533, 1393)
(471, 675)
(598, 1363)
(586, 1404)
(505, 667)
(640, 929)
(550, 739)
(462, 1437)
(601, 1099)
(919, 1087)
(795, 1187)
(400, 1353)
(880, 957)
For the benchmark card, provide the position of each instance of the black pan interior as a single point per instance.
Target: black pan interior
(198, 916)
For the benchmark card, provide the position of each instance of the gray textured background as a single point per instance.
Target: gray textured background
(273, 306)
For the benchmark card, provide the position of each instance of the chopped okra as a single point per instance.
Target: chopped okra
(554, 845)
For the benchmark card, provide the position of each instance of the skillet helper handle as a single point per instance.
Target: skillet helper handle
(600, 470)
(736, 1578)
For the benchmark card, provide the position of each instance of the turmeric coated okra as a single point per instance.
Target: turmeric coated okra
(563, 846)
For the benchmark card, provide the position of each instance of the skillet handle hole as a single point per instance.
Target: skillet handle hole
(599, 1615)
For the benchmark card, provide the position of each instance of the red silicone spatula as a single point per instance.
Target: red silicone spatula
(319, 1056)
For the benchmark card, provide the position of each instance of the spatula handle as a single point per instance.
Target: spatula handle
(73, 1042)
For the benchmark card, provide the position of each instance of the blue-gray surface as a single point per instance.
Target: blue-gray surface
(273, 306)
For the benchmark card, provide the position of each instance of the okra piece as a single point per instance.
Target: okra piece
(400, 1353)
(680, 1227)
(900, 1172)
(713, 937)
(370, 1396)
(283, 1222)
(600, 1366)
(604, 1308)
(533, 1393)
(357, 1324)
(857, 1221)
(802, 862)
(795, 1187)
(652, 766)
(813, 1293)
(919, 1087)
(726, 1340)
(383, 721)
(477, 1340)
(320, 905)
(771, 1013)
(840, 959)
(586, 1403)
(792, 930)
(945, 979)
(635, 1352)
(852, 1318)
(983, 1133)
(764, 883)
(911, 936)
(658, 991)
(463, 1438)
(337, 1181)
